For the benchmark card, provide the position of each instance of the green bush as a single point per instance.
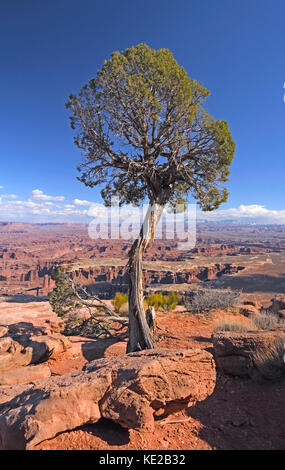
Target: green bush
(155, 300)
(163, 302)
(170, 301)
(62, 298)
(118, 301)
(75, 326)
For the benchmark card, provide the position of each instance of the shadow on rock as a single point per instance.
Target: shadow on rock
(92, 350)
(24, 298)
(108, 431)
(23, 327)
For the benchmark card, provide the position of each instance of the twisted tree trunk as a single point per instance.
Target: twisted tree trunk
(140, 334)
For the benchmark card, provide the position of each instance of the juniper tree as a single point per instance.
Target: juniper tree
(145, 135)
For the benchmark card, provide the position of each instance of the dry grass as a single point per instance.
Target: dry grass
(237, 323)
(266, 321)
(270, 361)
(205, 300)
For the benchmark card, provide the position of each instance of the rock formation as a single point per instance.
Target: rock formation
(20, 350)
(132, 390)
(235, 352)
(24, 374)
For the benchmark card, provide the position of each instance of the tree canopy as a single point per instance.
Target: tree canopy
(145, 134)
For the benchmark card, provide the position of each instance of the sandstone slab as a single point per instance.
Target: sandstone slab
(128, 389)
(24, 375)
(235, 352)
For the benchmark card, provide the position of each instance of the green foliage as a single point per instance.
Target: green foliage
(170, 301)
(88, 327)
(118, 301)
(62, 298)
(144, 132)
(67, 306)
(155, 300)
(163, 302)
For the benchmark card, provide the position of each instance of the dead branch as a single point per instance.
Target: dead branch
(89, 302)
(101, 318)
(174, 421)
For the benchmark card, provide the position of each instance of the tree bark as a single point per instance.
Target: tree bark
(140, 334)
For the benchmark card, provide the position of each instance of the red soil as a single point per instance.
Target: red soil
(240, 414)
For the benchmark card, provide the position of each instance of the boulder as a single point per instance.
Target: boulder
(234, 352)
(13, 354)
(22, 350)
(131, 390)
(24, 375)
(54, 343)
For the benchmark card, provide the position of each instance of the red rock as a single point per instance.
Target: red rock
(127, 389)
(3, 330)
(22, 350)
(234, 352)
(26, 269)
(24, 375)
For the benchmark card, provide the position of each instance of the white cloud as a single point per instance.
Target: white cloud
(9, 196)
(40, 211)
(253, 212)
(80, 202)
(43, 208)
(38, 195)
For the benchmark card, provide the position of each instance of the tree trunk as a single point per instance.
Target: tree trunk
(140, 335)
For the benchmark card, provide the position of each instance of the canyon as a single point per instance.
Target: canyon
(29, 252)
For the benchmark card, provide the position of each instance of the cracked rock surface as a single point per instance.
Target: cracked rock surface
(132, 390)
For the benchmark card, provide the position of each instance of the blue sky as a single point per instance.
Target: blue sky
(50, 49)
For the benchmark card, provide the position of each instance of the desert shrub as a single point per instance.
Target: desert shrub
(170, 301)
(210, 299)
(68, 307)
(155, 300)
(163, 302)
(270, 361)
(265, 321)
(237, 325)
(75, 326)
(118, 301)
(62, 298)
